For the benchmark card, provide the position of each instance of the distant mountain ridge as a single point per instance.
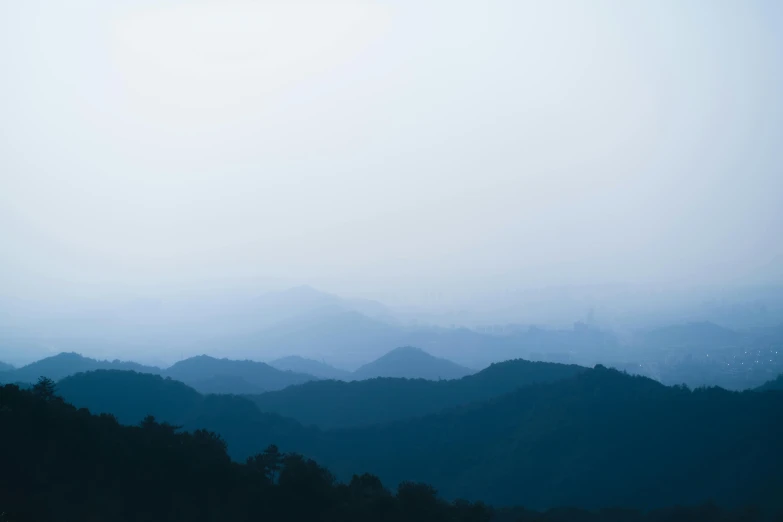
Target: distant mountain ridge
(62, 365)
(319, 369)
(196, 371)
(206, 374)
(412, 363)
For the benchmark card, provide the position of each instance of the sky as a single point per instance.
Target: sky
(388, 149)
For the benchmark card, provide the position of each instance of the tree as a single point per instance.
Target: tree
(267, 463)
(45, 389)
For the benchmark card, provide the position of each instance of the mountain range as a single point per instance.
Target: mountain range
(598, 437)
(64, 364)
(301, 320)
(203, 369)
(211, 375)
(336, 404)
(63, 463)
(295, 363)
(319, 327)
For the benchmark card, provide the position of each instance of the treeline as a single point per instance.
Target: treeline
(65, 464)
(599, 438)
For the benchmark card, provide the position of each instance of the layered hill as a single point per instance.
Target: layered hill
(335, 404)
(204, 373)
(62, 365)
(207, 374)
(131, 396)
(294, 363)
(411, 363)
(600, 438)
(60, 463)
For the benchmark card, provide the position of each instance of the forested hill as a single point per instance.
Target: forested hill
(600, 438)
(202, 371)
(131, 396)
(60, 463)
(775, 384)
(597, 439)
(62, 365)
(336, 404)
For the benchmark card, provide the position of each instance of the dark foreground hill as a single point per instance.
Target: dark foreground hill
(336, 404)
(60, 463)
(131, 396)
(600, 438)
(411, 363)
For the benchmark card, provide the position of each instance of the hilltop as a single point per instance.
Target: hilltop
(204, 372)
(598, 438)
(411, 363)
(62, 365)
(294, 363)
(333, 404)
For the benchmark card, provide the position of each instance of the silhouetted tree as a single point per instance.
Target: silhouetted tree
(45, 389)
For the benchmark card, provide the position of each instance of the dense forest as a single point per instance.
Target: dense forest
(66, 464)
(597, 438)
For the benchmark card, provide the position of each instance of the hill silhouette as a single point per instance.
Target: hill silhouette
(5, 367)
(60, 463)
(294, 363)
(600, 438)
(411, 363)
(204, 373)
(774, 384)
(131, 396)
(62, 365)
(336, 404)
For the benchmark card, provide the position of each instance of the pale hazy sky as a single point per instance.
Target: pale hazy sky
(381, 147)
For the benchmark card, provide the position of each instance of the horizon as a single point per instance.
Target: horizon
(359, 260)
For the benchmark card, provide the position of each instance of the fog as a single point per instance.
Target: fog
(437, 157)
